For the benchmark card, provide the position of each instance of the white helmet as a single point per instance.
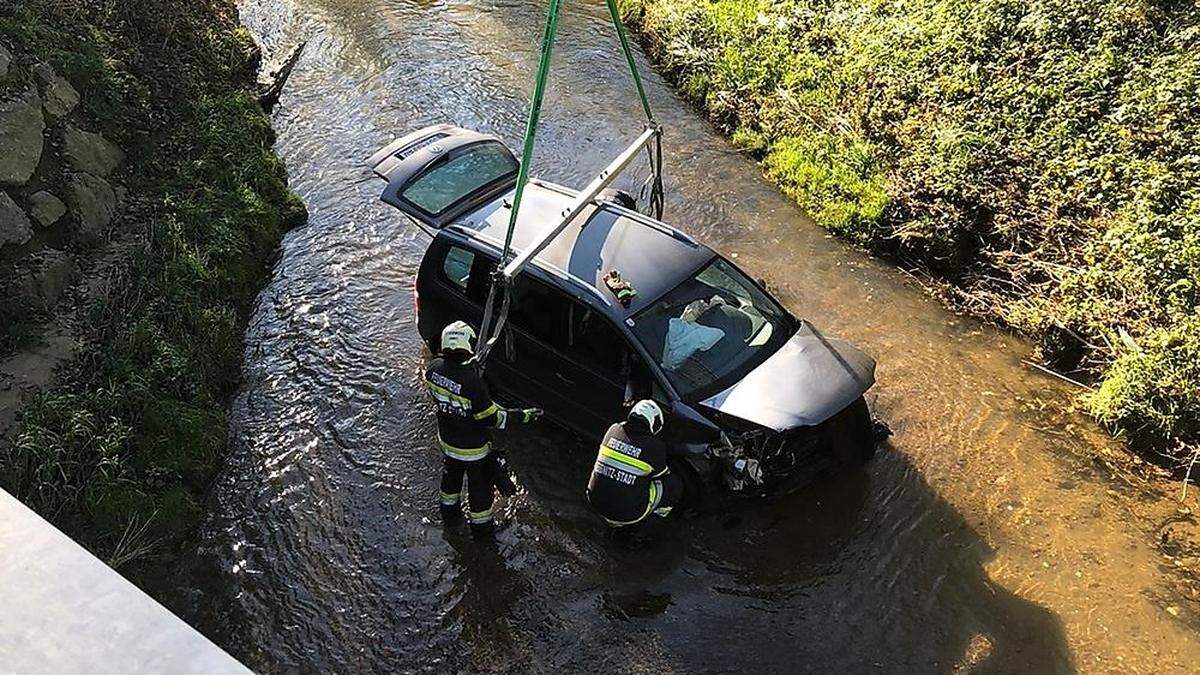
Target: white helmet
(648, 411)
(458, 335)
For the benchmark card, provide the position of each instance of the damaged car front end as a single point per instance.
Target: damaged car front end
(759, 409)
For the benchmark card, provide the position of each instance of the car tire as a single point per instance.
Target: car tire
(850, 434)
(694, 492)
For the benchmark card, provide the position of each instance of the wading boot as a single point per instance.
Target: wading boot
(483, 531)
(451, 514)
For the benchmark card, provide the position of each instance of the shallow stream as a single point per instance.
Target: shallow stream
(981, 538)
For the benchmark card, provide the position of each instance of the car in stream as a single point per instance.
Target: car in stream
(740, 375)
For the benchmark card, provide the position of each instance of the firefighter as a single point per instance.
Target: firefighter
(465, 412)
(630, 481)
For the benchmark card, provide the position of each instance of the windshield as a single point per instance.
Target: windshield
(712, 328)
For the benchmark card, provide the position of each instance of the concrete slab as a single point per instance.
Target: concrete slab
(64, 611)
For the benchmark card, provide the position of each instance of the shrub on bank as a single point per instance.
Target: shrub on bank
(1040, 156)
(121, 451)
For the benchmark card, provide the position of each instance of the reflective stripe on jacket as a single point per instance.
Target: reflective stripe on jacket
(623, 489)
(656, 490)
(465, 409)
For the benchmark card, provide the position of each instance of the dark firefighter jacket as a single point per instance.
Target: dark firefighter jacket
(465, 408)
(623, 488)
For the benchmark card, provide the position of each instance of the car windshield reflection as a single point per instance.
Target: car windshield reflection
(711, 328)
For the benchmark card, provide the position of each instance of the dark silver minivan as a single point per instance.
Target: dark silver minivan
(739, 374)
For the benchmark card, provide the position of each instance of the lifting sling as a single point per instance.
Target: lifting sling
(650, 139)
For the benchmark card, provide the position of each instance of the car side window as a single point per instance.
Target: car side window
(594, 342)
(457, 267)
(481, 278)
(540, 311)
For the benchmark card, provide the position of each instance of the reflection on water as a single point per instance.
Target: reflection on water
(976, 542)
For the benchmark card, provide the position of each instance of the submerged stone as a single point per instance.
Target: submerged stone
(60, 97)
(14, 224)
(90, 152)
(21, 141)
(46, 209)
(5, 61)
(93, 203)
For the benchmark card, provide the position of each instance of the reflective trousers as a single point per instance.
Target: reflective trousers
(480, 476)
(665, 494)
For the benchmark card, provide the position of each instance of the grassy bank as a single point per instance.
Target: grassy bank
(1039, 156)
(120, 453)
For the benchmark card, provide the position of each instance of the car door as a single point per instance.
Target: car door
(570, 359)
(555, 352)
(599, 369)
(533, 346)
(463, 277)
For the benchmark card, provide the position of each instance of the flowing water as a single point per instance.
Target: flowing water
(981, 538)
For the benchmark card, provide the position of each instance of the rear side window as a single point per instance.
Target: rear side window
(595, 343)
(540, 311)
(457, 267)
(460, 174)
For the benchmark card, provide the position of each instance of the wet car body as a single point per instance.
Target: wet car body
(740, 375)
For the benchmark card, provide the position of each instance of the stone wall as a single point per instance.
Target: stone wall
(58, 191)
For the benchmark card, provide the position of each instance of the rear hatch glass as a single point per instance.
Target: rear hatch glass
(458, 176)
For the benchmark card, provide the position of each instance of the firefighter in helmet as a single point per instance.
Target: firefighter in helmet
(630, 481)
(465, 413)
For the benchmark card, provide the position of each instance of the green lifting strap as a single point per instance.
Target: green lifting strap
(535, 112)
(486, 335)
(539, 91)
(633, 69)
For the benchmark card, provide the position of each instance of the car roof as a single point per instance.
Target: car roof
(651, 255)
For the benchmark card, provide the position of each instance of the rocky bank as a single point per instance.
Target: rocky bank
(60, 196)
(141, 205)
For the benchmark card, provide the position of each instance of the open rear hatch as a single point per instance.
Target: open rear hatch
(439, 173)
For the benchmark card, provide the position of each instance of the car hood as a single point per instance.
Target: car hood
(810, 379)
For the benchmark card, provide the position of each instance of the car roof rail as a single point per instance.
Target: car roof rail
(471, 235)
(647, 221)
(636, 216)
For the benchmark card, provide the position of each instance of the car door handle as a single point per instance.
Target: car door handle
(564, 378)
